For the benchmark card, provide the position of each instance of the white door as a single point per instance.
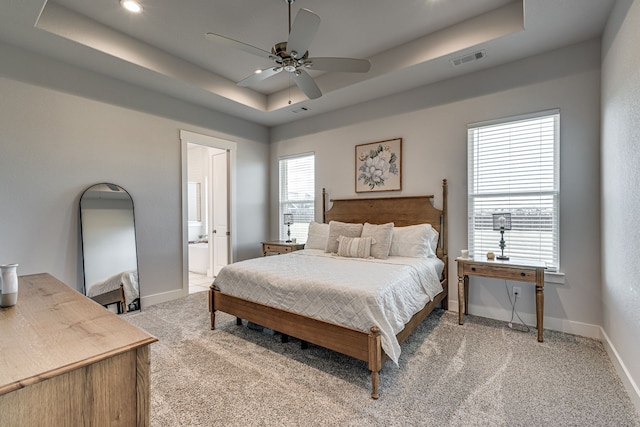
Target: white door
(219, 250)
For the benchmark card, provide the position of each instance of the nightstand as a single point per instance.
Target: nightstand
(519, 270)
(280, 247)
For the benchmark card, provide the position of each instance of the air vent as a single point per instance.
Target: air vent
(300, 110)
(468, 58)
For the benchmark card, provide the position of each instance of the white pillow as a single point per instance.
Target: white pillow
(317, 237)
(416, 241)
(337, 228)
(434, 238)
(382, 235)
(355, 247)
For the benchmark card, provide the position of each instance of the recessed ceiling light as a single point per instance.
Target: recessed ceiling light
(131, 6)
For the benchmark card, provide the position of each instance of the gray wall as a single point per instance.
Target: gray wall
(620, 184)
(63, 129)
(432, 122)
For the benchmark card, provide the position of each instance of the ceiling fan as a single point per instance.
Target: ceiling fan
(293, 55)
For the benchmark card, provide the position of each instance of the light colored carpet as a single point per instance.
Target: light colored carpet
(478, 374)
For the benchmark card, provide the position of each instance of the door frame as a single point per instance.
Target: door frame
(187, 137)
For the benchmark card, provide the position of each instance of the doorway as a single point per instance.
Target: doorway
(207, 207)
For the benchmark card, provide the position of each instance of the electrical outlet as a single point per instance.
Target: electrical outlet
(516, 291)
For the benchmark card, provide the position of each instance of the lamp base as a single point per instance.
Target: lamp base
(503, 257)
(288, 241)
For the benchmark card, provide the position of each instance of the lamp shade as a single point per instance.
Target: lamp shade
(502, 221)
(288, 219)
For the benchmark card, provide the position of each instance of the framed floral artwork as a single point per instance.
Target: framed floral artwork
(379, 166)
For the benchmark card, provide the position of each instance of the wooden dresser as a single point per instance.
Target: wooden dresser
(67, 361)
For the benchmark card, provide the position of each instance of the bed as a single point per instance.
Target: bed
(121, 288)
(369, 332)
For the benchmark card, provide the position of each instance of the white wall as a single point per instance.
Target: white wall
(620, 184)
(63, 129)
(432, 122)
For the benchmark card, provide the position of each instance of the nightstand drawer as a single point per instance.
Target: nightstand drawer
(497, 271)
(280, 247)
(277, 248)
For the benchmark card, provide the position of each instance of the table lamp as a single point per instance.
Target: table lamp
(288, 220)
(501, 222)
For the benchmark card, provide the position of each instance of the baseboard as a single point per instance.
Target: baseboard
(148, 300)
(572, 327)
(551, 323)
(629, 384)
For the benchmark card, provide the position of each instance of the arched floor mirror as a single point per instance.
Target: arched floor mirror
(109, 253)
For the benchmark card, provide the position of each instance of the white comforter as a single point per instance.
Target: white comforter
(128, 278)
(354, 292)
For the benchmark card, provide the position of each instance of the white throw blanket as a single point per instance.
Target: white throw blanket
(354, 292)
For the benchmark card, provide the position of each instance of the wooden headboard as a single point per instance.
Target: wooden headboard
(401, 210)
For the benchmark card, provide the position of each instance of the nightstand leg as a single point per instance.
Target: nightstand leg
(539, 310)
(466, 294)
(461, 300)
(540, 302)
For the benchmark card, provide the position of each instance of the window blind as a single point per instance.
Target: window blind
(513, 167)
(297, 195)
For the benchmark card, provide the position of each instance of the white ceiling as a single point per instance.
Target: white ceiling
(410, 43)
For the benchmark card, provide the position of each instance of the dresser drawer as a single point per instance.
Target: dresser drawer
(496, 271)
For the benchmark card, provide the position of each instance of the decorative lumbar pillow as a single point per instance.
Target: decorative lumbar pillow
(382, 234)
(337, 228)
(355, 247)
(416, 241)
(317, 237)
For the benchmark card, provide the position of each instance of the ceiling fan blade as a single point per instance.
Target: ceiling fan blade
(348, 65)
(307, 84)
(235, 44)
(302, 32)
(259, 76)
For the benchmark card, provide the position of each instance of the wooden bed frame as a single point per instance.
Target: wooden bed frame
(115, 296)
(366, 346)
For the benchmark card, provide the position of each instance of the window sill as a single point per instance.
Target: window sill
(554, 277)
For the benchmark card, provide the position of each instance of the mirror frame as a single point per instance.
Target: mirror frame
(116, 296)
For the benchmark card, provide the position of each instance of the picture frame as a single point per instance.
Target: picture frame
(379, 166)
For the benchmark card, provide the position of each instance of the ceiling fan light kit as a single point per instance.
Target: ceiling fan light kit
(292, 56)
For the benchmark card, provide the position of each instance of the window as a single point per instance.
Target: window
(513, 167)
(297, 195)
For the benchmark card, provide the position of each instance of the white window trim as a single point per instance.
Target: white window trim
(281, 227)
(553, 276)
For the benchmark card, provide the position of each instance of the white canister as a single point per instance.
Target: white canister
(8, 285)
(464, 253)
